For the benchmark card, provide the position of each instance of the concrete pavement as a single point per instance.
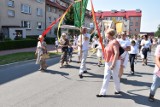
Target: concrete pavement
(23, 86)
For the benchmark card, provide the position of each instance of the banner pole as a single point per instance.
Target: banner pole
(81, 27)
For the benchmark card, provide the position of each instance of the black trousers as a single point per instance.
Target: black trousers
(131, 60)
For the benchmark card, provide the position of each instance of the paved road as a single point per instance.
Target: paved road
(21, 85)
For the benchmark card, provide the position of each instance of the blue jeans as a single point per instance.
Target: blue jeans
(155, 84)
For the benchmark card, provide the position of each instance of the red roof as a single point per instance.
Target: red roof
(126, 14)
(55, 4)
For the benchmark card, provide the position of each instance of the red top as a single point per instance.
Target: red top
(109, 51)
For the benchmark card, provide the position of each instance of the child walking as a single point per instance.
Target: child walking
(132, 55)
(99, 54)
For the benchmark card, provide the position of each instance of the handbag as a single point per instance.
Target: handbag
(121, 51)
(45, 56)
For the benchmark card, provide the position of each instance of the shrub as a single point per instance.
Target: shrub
(17, 44)
(50, 40)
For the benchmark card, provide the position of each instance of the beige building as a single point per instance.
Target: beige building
(54, 9)
(22, 17)
(31, 17)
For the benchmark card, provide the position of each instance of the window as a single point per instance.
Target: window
(54, 10)
(120, 18)
(40, 1)
(136, 29)
(50, 32)
(137, 18)
(49, 9)
(39, 12)
(10, 3)
(49, 19)
(52, 0)
(26, 24)
(11, 13)
(136, 23)
(39, 25)
(131, 23)
(25, 9)
(131, 18)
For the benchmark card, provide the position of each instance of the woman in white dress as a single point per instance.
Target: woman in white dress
(41, 49)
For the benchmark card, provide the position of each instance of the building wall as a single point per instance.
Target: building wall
(51, 15)
(135, 24)
(16, 21)
(19, 16)
(131, 19)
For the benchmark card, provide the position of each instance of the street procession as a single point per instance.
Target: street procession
(116, 52)
(102, 59)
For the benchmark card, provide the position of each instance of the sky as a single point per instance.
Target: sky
(150, 10)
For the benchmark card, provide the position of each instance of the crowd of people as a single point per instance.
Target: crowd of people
(121, 48)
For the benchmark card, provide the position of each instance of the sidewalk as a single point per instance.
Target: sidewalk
(32, 49)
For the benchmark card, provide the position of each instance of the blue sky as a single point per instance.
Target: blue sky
(150, 10)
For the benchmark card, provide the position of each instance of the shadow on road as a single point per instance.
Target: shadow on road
(56, 72)
(139, 99)
(134, 82)
(92, 75)
(17, 71)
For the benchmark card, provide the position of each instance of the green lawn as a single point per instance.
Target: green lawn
(22, 56)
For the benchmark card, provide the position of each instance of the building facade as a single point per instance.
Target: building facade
(54, 9)
(131, 19)
(22, 17)
(31, 17)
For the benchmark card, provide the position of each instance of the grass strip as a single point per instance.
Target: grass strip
(21, 56)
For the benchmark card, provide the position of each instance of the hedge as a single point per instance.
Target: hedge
(17, 44)
(26, 43)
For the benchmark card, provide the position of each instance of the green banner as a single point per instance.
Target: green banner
(79, 12)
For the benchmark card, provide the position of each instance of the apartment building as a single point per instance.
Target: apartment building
(54, 9)
(88, 19)
(131, 19)
(31, 17)
(22, 17)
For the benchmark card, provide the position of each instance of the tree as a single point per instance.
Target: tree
(69, 18)
(157, 33)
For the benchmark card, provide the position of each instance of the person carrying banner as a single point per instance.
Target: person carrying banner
(84, 49)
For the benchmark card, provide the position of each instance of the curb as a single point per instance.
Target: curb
(23, 62)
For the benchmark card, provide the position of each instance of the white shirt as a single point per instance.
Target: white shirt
(56, 43)
(124, 43)
(85, 43)
(146, 43)
(134, 50)
(39, 44)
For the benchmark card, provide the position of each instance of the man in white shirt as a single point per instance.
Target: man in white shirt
(146, 46)
(125, 44)
(84, 47)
